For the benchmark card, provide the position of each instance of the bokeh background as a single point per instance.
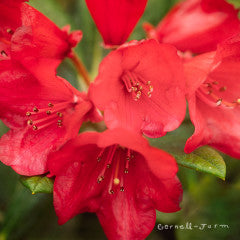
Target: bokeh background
(207, 199)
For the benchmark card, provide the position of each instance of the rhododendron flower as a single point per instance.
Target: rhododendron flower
(214, 98)
(197, 25)
(116, 19)
(117, 175)
(31, 38)
(140, 87)
(42, 112)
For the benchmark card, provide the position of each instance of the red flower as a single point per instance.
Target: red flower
(117, 175)
(140, 86)
(31, 38)
(214, 98)
(197, 25)
(42, 114)
(116, 19)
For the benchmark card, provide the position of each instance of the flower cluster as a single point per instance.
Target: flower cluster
(141, 89)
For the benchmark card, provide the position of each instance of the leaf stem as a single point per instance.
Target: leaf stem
(80, 68)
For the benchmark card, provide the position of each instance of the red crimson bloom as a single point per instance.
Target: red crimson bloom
(31, 38)
(214, 98)
(116, 19)
(117, 175)
(42, 114)
(197, 25)
(141, 87)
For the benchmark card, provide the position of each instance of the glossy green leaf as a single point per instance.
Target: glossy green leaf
(38, 184)
(204, 159)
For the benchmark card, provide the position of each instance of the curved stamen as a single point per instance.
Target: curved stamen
(136, 85)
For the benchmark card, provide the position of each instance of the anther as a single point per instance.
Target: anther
(48, 112)
(59, 124)
(10, 31)
(150, 88)
(126, 170)
(3, 53)
(35, 109)
(99, 159)
(223, 89)
(35, 127)
(28, 114)
(116, 181)
(111, 191)
(100, 179)
(30, 122)
(50, 104)
(219, 102)
(215, 82)
(108, 165)
(121, 189)
(148, 82)
(238, 101)
(59, 114)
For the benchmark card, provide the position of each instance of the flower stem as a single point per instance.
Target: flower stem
(80, 68)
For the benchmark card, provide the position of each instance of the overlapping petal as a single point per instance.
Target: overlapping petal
(145, 88)
(95, 172)
(33, 39)
(43, 112)
(197, 25)
(214, 105)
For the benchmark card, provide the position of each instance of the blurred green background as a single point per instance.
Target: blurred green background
(207, 199)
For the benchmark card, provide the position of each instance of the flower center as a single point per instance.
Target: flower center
(52, 114)
(136, 85)
(215, 94)
(116, 165)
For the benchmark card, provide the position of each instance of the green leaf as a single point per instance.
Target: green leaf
(204, 159)
(235, 3)
(38, 184)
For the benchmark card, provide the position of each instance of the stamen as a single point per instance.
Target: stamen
(100, 179)
(59, 114)
(219, 102)
(10, 31)
(35, 127)
(3, 53)
(210, 94)
(116, 181)
(35, 109)
(136, 85)
(223, 89)
(30, 122)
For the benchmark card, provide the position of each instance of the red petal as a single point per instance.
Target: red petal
(215, 114)
(128, 214)
(153, 63)
(216, 20)
(116, 19)
(23, 148)
(38, 40)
